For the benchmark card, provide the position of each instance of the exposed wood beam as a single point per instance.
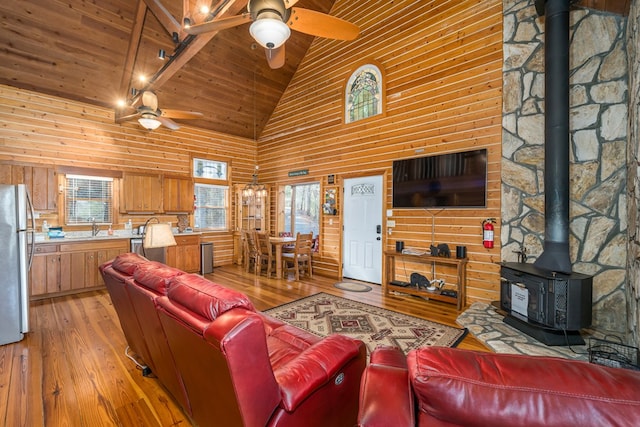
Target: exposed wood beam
(132, 50)
(170, 24)
(193, 46)
(187, 50)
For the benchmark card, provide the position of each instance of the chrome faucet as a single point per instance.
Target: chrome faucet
(95, 229)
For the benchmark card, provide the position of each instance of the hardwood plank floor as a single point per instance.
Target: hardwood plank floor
(71, 369)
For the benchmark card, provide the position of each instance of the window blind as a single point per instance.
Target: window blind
(88, 199)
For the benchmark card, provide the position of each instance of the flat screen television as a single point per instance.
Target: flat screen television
(453, 180)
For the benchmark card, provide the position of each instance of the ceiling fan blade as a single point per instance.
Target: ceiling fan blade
(180, 114)
(120, 119)
(275, 57)
(218, 24)
(321, 25)
(167, 122)
(149, 99)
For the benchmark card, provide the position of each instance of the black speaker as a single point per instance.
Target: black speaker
(399, 246)
(461, 252)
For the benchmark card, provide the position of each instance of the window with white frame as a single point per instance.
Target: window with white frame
(302, 208)
(88, 199)
(363, 94)
(211, 190)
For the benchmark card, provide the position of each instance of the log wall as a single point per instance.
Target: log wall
(39, 129)
(442, 62)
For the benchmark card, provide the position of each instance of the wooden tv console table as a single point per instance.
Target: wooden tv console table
(390, 273)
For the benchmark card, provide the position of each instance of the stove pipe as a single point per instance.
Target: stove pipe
(555, 256)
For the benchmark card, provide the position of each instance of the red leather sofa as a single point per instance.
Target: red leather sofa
(435, 386)
(225, 363)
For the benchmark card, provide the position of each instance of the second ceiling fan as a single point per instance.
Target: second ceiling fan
(271, 21)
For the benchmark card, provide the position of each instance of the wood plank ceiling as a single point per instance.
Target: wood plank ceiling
(94, 52)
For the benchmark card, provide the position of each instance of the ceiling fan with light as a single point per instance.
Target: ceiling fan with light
(151, 117)
(271, 24)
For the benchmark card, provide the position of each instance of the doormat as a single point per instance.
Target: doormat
(323, 314)
(485, 323)
(352, 287)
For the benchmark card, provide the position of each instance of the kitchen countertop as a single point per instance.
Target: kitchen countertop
(85, 236)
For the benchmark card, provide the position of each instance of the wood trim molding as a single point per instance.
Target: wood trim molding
(73, 170)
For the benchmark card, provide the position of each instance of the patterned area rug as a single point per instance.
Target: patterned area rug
(323, 314)
(485, 323)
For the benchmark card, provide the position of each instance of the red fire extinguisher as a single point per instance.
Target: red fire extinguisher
(487, 232)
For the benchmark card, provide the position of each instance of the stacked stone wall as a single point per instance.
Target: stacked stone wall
(599, 99)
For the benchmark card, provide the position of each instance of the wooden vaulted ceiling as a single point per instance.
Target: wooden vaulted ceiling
(94, 51)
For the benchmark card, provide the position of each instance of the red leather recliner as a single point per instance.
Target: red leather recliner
(436, 386)
(236, 366)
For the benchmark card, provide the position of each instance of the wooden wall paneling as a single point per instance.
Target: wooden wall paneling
(444, 94)
(44, 130)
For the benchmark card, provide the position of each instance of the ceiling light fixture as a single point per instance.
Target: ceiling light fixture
(254, 188)
(162, 54)
(271, 33)
(149, 121)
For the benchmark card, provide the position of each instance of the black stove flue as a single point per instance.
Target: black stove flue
(555, 256)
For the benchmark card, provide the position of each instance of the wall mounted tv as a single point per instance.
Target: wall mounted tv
(453, 180)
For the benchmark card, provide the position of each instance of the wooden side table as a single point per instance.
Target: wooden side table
(390, 273)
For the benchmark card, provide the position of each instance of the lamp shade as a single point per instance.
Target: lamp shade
(270, 33)
(158, 236)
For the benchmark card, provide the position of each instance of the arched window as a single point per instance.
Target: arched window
(363, 95)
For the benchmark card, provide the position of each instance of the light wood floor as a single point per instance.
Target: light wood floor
(71, 369)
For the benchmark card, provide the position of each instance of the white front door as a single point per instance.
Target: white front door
(362, 235)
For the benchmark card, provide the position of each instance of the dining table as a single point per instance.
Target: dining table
(278, 243)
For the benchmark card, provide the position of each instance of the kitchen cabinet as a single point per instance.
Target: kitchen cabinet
(140, 194)
(69, 267)
(45, 270)
(41, 182)
(186, 254)
(177, 195)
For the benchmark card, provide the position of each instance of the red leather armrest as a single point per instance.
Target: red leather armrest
(385, 392)
(314, 367)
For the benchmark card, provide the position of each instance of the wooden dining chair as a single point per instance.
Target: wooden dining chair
(300, 259)
(265, 253)
(250, 251)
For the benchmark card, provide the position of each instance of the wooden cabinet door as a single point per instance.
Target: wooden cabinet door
(177, 195)
(186, 255)
(45, 274)
(91, 269)
(43, 187)
(74, 265)
(141, 193)
(41, 182)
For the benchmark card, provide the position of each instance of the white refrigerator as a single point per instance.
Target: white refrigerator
(17, 237)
